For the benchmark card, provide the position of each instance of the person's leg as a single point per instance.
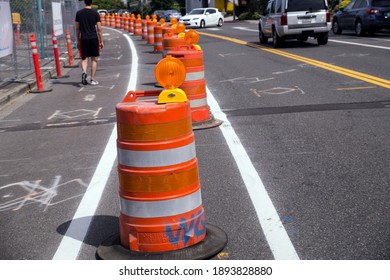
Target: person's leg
(93, 67)
(84, 67)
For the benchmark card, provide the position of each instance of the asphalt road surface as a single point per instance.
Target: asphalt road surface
(298, 169)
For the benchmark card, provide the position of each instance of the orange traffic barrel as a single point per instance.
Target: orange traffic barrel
(117, 21)
(112, 20)
(144, 29)
(158, 39)
(167, 30)
(131, 25)
(150, 27)
(170, 41)
(161, 211)
(138, 27)
(194, 85)
(126, 19)
(103, 19)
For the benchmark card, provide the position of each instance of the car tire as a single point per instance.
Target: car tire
(202, 24)
(359, 29)
(277, 41)
(336, 27)
(322, 39)
(262, 38)
(220, 22)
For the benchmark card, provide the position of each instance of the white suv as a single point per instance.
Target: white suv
(295, 19)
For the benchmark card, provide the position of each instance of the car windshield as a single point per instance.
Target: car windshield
(197, 12)
(305, 5)
(381, 3)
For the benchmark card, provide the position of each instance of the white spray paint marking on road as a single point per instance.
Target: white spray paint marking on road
(69, 247)
(89, 97)
(274, 231)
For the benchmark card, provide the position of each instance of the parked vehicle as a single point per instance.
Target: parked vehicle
(283, 20)
(123, 11)
(363, 16)
(167, 14)
(159, 14)
(203, 17)
(102, 12)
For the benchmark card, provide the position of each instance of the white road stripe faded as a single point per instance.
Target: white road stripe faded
(274, 231)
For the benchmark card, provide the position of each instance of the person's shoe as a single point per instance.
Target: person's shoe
(94, 83)
(84, 79)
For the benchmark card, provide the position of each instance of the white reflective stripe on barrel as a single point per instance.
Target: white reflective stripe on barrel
(198, 102)
(162, 208)
(193, 76)
(157, 35)
(156, 158)
(55, 46)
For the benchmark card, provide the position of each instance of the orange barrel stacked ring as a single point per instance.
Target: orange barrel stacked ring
(126, 19)
(160, 194)
(150, 27)
(195, 84)
(170, 41)
(138, 27)
(117, 21)
(144, 29)
(158, 39)
(131, 25)
(112, 20)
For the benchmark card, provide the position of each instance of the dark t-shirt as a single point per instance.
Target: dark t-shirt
(88, 18)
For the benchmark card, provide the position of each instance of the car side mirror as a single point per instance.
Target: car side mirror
(207, 13)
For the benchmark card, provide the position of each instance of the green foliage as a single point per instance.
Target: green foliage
(109, 4)
(161, 4)
(249, 16)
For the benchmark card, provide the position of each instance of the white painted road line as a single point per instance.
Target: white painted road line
(359, 44)
(72, 241)
(274, 231)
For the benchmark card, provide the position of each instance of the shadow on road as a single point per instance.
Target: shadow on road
(101, 228)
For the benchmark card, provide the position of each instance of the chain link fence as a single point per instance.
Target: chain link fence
(36, 17)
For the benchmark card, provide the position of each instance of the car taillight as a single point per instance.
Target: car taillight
(327, 16)
(283, 19)
(372, 11)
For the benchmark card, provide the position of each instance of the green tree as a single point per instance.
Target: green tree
(161, 4)
(109, 4)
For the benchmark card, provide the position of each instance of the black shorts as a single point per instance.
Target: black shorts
(89, 47)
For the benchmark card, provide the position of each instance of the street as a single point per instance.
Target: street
(297, 170)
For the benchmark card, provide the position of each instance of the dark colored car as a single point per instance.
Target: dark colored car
(167, 14)
(159, 14)
(363, 16)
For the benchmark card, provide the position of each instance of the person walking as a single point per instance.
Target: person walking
(89, 40)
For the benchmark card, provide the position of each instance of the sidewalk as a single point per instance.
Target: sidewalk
(15, 88)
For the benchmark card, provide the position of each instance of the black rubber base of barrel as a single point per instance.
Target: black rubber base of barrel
(212, 122)
(212, 244)
(41, 91)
